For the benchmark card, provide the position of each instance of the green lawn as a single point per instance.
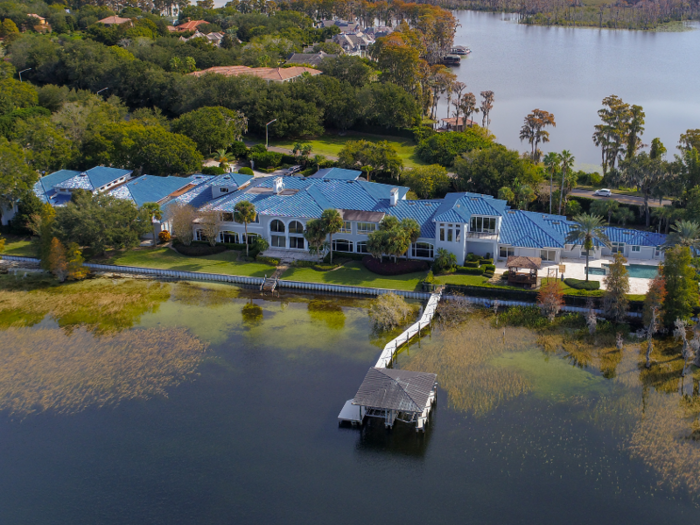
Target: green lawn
(18, 246)
(461, 279)
(167, 259)
(354, 274)
(331, 144)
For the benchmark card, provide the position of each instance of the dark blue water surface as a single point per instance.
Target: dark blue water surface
(253, 438)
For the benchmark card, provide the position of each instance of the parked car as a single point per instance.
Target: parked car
(293, 170)
(602, 193)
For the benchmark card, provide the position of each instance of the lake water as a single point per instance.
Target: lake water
(250, 434)
(568, 72)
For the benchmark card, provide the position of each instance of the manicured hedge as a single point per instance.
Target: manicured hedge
(393, 268)
(344, 255)
(471, 264)
(470, 271)
(485, 261)
(267, 260)
(199, 249)
(489, 268)
(578, 284)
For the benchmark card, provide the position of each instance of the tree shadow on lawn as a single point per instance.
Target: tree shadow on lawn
(353, 274)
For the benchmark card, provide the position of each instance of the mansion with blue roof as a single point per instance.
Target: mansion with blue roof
(461, 223)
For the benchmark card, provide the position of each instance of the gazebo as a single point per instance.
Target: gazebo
(528, 277)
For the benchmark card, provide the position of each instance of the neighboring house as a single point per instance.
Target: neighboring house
(378, 31)
(97, 179)
(309, 59)
(114, 21)
(40, 23)
(461, 223)
(189, 26)
(212, 38)
(151, 188)
(269, 74)
(451, 124)
(344, 25)
(355, 44)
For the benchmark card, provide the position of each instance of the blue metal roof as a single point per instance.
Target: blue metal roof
(336, 174)
(94, 178)
(239, 179)
(150, 188)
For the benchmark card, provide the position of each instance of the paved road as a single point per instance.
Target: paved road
(624, 199)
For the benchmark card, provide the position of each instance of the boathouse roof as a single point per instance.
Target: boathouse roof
(391, 389)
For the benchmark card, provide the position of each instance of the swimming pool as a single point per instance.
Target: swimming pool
(640, 271)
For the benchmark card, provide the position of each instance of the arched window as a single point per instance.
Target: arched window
(342, 245)
(277, 226)
(423, 250)
(296, 227)
(229, 237)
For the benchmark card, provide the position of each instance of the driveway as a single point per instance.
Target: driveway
(623, 199)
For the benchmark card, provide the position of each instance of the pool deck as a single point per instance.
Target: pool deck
(576, 269)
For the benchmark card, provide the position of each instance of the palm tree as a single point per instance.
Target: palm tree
(244, 212)
(684, 233)
(155, 213)
(552, 161)
(567, 163)
(222, 156)
(587, 228)
(333, 223)
(533, 130)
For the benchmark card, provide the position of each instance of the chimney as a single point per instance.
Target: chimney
(394, 198)
(278, 185)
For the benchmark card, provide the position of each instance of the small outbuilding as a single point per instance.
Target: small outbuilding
(395, 395)
(528, 277)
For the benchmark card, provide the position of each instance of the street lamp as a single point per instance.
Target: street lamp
(23, 71)
(266, 135)
(101, 90)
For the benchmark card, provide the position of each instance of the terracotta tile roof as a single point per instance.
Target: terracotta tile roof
(278, 74)
(191, 25)
(113, 20)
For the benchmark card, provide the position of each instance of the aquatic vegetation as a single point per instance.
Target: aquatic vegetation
(252, 313)
(54, 370)
(100, 304)
(328, 312)
(197, 294)
(389, 311)
(462, 359)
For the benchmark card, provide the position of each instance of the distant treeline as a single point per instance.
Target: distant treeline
(642, 14)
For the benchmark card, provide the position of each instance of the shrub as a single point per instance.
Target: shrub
(267, 260)
(472, 257)
(260, 244)
(526, 316)
(550, 299)
(389, 311)
(489, 267)
(267, 159)
(246, 171)
(238, 149)
(486, 261)
(213, 170)
(164, 236)
(399, 267)
(470, 271)
(444, 262)
(239, 247)
(579, 284)
(471, 264)
(343, 255)
(198, 250)
(430, 278)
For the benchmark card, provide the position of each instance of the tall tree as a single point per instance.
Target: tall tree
(586, 230)
(604, 208)
(16, 177)
(379, 156)
(333, 223)
(567, 164)
(534, 131)
(487, 99)
(244, 213)
(681, 286)
(611, 135)
(634, 130)
(617, 286)
(315, 235)
(152, 209)
(552, 164)
(181, 216)
(644, 173)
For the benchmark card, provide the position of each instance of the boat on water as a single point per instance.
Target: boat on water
(451, 60)
(460, 50)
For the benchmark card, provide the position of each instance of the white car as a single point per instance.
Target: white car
(603, 193)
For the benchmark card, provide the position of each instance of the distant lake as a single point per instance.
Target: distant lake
(568, 71)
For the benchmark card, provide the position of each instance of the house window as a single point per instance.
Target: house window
(341, 245)
(483, 224)
(296, 227)
(548, 255)
(227, 217)
(617, 247)
(229, 237)
(223, 190)
(506, 251)
(198, 235)
(278, 241)
(449, 233)
(296, 242)
(636, 249)
(423, 250)
(442, 232)
(362, 247)
(458, 232)
(252, 237)
(277, 226)
(347, 227)
(657, 251)
(366, 227)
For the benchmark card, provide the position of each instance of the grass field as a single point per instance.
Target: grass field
(167, 259)
(330, 145)
(18, 246)
(354, 274)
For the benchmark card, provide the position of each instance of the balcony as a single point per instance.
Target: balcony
(485, 235)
